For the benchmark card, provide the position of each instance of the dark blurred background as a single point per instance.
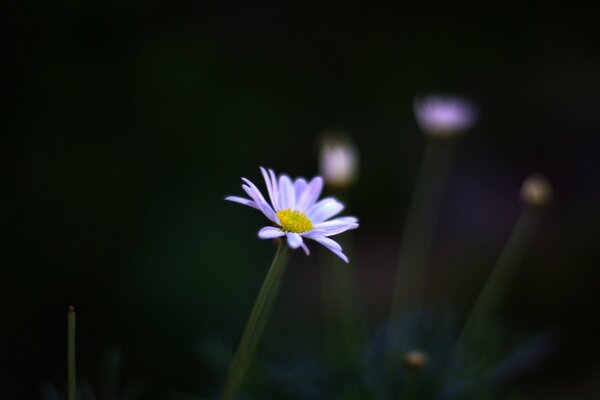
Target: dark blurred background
(126, 123)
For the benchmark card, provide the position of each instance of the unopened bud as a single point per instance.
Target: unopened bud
(415, 359)
(536, 191)
(338, 162)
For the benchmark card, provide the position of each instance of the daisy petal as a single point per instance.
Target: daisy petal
(294, 240)
(337, 222)
(287, 195)
(299, 186)
(270, 232)
(333, 230)
(266, 209)
(272, 194)
(324, 210)
(275, 188)
(340, 255)
(310, 194)
(325, 241)
(243, 201)
(305, 248)
(251, 185)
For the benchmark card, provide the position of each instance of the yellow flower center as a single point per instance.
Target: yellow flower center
(294, 221)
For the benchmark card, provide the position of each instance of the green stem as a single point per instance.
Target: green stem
(409, 390)
(420, 222)
(497, 284)
(256, 323)
(71, 382)
(340, 305)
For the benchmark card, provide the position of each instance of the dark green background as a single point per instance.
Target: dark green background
(126, 123)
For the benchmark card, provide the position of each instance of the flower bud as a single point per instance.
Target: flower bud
(444, 116)
(536, 190)
(415, 359)
(338, 161)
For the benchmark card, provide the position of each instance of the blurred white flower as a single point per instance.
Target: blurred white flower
(338, 161)
(441, 115)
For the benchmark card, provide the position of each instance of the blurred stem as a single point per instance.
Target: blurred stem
(256, 323)
(340, 307)
(71, 382)
(497, 284)
(409, 391)
(420, 222)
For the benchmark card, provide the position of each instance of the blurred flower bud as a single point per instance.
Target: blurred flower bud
(443, 116)
(415, 359)
(338, 161)
(536, 190)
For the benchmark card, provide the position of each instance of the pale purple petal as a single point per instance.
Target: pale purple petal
(334, 231)
(255, 190)
(275, 188)
(305, 248)
(336, 222)
(266, 209)
(243, 201)
(331, 245)
(287, 195)
(299, 186)
(325, 241)
(340, 255)
(310, 194)
(347, 219)
(324, 210)
(294, 240)
(272, 194)
(334, 227)
(270, 232)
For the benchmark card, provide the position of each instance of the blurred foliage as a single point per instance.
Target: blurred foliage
(108, 387)
(491, 364)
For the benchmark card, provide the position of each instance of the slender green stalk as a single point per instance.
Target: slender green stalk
(420, 223)
(340, 305)
(256, 323)
(328, 303)
(497, 284)
(341, 310)
(409, 391)
(71, 382)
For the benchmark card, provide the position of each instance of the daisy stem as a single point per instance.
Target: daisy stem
(71, 383)
(497, 284)
(256, 323)
(420, 222)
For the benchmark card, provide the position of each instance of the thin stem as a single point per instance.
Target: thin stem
(256, 323)
(409, 390)
(71, 382)
(340, 305)
(341, 311)
(421, 219)
(497, 284)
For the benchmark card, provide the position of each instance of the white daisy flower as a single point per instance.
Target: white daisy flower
(295, 211)
(441, 115)
(338, 161)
